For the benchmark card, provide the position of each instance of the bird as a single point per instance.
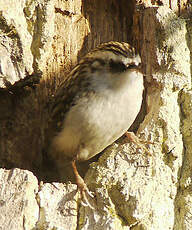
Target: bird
(95, 105)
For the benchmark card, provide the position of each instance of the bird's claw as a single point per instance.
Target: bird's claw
(84, 198)
(140, 143)
(91, 194)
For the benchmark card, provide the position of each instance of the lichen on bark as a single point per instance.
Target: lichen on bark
(133, 189)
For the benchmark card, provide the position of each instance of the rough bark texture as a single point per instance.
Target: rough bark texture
(39, 42)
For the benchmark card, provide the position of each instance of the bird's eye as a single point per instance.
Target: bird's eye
(132, 66)
(117, 66)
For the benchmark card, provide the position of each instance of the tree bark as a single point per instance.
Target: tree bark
(39, 43)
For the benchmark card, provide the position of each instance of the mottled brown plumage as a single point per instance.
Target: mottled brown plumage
(96, 104)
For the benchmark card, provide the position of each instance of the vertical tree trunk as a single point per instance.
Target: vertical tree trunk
(39, 43)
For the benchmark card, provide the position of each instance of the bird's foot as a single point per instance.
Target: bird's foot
(82, 187)
(85, 193)
(140, 143)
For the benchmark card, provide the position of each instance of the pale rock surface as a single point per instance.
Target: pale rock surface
(183, 205)
(133, 190)
(32, 41)
(58, 207)
(18, 205)
(25, 205)
(138, 191)
(24, 48)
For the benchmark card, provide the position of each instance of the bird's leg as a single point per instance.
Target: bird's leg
(140, 143)
(82, 186)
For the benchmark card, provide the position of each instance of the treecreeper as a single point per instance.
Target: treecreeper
(95, 105)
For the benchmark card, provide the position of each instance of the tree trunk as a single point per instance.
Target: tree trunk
(40, 41)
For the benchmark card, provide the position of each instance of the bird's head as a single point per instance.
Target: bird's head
(115, 56)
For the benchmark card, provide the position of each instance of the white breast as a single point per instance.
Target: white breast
(98, 120)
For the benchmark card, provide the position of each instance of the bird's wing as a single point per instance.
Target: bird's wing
(68, 93)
